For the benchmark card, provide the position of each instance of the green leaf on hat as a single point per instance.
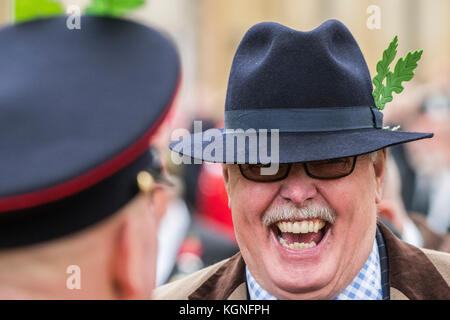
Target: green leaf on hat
(25, 10)
(113, 8)
(383, 70)
(403, 71)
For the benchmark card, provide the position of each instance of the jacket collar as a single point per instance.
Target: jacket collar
(228, 282)
(410, 271)
(407, 267)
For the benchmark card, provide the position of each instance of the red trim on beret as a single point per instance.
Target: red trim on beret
(90, 178)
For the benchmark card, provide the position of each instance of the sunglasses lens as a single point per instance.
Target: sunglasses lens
(255, 172)
(330, 169)
(326, 169)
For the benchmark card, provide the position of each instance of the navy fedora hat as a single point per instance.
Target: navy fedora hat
(78, 109)
(314, 87)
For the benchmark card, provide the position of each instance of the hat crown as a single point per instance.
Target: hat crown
(278, 67)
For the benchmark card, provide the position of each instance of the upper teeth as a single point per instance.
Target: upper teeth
(301, 226)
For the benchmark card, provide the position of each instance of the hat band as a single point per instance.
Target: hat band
(305, 119)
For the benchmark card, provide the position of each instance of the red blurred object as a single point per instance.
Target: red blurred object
(189, 257)
(192, 245)
(212, 200)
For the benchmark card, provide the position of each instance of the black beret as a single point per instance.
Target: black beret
(77, 111)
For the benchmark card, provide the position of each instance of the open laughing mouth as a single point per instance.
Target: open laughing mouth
(301, 234)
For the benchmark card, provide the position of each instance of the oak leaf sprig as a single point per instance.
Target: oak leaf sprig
(403, 71)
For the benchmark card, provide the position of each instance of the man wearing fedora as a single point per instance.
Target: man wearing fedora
(310, 230)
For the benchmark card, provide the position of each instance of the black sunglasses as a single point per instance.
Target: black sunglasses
(323, 170)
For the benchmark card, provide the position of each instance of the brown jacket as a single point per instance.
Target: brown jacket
(413, 274)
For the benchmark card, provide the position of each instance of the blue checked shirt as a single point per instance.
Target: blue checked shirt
(365, 286)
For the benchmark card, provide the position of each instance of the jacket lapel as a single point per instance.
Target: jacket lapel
(411, 274)
(228, 282)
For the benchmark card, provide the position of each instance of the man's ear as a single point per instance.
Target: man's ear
(159, 203)
(225, 174)
(388, 211)
(125, 261)
(226, 180)
(380, 171)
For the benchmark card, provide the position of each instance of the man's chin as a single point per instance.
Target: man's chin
(311, 283)
(308, 274)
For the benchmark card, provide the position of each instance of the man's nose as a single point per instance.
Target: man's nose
(298, 187)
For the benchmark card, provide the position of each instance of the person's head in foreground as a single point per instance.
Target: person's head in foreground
(79, 187)
(308, 231)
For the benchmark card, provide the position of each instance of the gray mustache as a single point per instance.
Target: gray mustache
(291, 212)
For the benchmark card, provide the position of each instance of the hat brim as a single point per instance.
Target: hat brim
(297, 147)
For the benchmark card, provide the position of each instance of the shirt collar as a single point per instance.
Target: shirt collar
(365, 286)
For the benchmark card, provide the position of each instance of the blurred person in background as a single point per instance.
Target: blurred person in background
(431, 160)
(172, 231)
(212, 222)
(80, 192)
(410, 227)
(424, 168)
(197, 230)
